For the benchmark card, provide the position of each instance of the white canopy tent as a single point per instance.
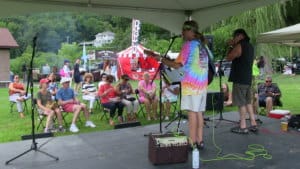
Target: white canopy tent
(168, 14)
(287, 36)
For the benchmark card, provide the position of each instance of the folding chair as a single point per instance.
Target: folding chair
(64, 117)
(13, 108)
(104, 110)
(41, 117)
(277, 102)
(142, 105)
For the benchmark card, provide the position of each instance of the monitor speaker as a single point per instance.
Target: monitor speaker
(214, 101)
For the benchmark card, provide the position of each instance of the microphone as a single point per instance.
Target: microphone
(176, 36)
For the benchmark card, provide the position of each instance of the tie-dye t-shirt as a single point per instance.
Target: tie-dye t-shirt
(195, 67)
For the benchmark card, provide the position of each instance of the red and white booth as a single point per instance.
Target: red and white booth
(133, 62)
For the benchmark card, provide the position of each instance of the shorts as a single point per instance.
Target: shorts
(69, 107)
(195, 103)
(169, 99)
(241, 94)
(77, 78)
(142, 99)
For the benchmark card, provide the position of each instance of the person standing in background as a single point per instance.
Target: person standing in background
(114, 71)
(241, 53)
(77, 77)
(24, 71)
(261, 66)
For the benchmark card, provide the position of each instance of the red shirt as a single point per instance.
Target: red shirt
(111, 94)
(16, 86)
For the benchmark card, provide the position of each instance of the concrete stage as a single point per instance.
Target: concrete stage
(128, 149)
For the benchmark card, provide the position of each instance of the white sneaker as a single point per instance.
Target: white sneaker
(167, 118)
(90, 124)
(74, 128)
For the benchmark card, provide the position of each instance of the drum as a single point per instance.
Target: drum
(278, 114)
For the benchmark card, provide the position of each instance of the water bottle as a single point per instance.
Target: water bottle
(196, 159)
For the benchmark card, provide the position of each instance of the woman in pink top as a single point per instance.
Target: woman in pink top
(147, 95)
(110, 100)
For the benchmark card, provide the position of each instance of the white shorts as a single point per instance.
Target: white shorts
(195, 103)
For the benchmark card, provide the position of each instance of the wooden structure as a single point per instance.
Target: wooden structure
(6, 43)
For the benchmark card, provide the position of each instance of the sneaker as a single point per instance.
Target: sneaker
(167, 118)
(47, 130)
(253, 129)
(61, 129)
(200, 145)
(239, 130)
(90, 124)
(74, 128)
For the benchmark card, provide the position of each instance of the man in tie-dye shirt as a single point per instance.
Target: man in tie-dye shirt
(193, 58)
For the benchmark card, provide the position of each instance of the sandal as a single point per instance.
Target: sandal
(253, 129)
(111, 122)
(239, 130)
(200, 145)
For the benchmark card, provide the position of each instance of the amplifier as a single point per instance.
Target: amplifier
(214, 101)
(166, 148)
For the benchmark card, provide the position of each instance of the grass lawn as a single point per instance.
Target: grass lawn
(12, 127)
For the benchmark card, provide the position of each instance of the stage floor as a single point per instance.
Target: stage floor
(128, 148)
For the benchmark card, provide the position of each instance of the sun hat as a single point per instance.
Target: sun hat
(64, 79)
(44, 80)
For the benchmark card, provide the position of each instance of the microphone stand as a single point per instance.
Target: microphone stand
(30, 82)
(221, 97)
(159, 70)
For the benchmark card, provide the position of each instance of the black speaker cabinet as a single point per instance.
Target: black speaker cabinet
(214, 101)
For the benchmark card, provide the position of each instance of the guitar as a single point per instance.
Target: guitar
(172, 75)
(176, 75)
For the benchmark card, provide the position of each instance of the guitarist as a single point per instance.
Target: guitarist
(193, 58)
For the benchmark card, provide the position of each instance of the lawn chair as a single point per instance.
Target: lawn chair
(142, 105)
(277, 102)
(14, 109)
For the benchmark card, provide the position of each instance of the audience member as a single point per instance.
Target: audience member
(169, 95)
(17, 94)
(125, 91)
(89, 90)
(52, 85)
(65, 70)
(107, 67)
(66, 98)
(227, 95)
(102, 81)
(114, 71)
(48, 107)
(110, 100)
(268, 94)
(147, 95)
(77, 76)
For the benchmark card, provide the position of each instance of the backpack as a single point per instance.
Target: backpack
(294, 121)
(62, 72)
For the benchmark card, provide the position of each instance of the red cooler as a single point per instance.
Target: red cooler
(278, 114)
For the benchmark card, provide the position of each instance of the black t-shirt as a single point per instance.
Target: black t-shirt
(76, 69)
(241, 67)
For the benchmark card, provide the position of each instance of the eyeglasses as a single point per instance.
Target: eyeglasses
(268, 81)
(186, 27)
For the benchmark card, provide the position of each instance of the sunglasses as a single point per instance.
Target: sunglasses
(187, 27)
(268, 81)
